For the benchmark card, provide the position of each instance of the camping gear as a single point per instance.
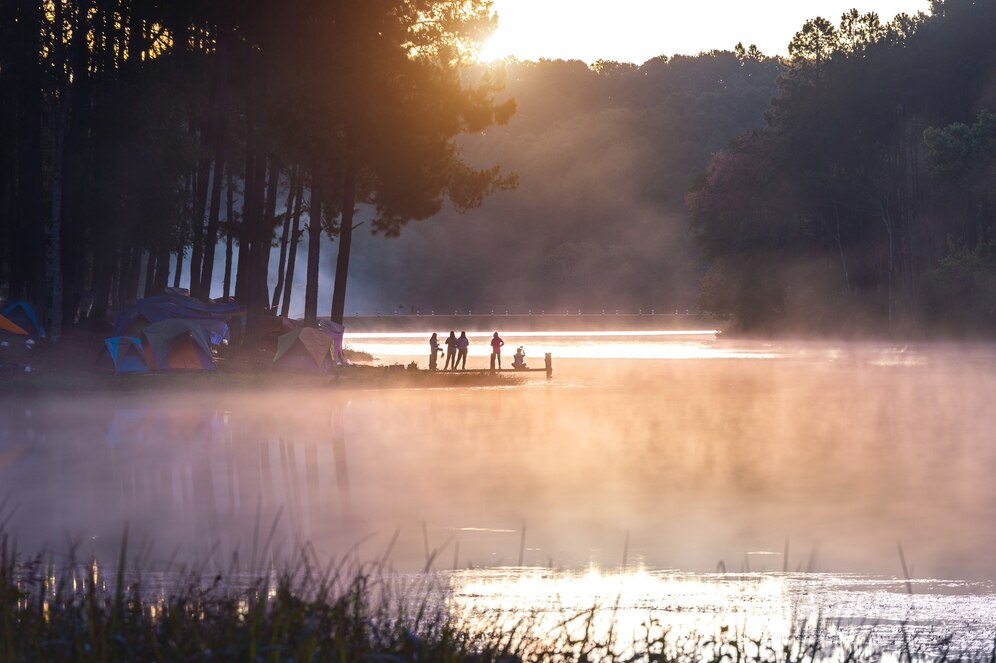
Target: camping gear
(7, 325)
(305, 349)
(133, 319)
(22, 314)
(123, 354)
(178, 345)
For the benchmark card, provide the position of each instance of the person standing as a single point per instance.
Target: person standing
(451, 350)
(462, 344)
(496, 344)
(433, 351)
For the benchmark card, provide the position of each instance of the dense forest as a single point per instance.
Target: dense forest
(234, 148)
(868, 201)
(126, 126)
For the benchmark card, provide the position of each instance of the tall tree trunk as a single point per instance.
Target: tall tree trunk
(131, 263)
(291, 202)
(61, 106)
(55, 238)
(229, 240)
(292, 260)
(150, 274)
(199, 205)
(219, 131)
(242, 267)
(211, 239)
(118, 296)
(103, 272)
(345, 243)
(220, 136)
(179, 267)
(314, 248)
(266, 245)
(162, 271)
(253, 213)
(28, 248)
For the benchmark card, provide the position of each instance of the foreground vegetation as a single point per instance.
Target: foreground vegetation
(340, 612)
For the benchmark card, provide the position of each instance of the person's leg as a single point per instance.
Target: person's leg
(498, 354)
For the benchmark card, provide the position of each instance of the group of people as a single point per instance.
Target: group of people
(456, 352)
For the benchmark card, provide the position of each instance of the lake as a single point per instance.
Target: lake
(705, 480)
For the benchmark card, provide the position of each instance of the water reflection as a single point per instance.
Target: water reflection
(644, 606)
(819, 461)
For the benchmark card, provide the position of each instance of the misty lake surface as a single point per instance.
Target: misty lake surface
(696, 480)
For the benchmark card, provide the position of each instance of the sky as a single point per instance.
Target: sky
(637, 30)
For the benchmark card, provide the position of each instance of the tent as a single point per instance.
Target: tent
(7, 325)
(305, 349)
(123, 354)
(178, 345)
(133, 319)
(23, 315)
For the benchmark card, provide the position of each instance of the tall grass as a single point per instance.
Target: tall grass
(346, 611)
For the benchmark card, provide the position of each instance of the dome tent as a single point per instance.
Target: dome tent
(304, 349)
(178, 345)
(22, 315)
(123, 354)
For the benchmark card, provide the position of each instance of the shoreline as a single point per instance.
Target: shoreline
(70, 367)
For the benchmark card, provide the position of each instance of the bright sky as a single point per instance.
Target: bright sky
(637, 30)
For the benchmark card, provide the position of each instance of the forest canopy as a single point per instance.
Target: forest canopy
(125, 124)
(868, 199)
(850, 186)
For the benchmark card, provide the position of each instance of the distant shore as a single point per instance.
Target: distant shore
(533, 322)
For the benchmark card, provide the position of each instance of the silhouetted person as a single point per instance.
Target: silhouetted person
(434, 350)
(451, 351)
(519, 359)
(462, 344)
(496, 344)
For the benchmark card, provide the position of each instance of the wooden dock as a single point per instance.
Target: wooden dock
(547, 368)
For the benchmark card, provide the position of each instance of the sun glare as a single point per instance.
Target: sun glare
(559, 603)
(638, 30)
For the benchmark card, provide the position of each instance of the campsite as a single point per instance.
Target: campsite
(175, 342)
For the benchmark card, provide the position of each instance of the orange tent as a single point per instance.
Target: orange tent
(8, 325)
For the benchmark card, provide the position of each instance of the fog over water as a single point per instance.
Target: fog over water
(721, 455)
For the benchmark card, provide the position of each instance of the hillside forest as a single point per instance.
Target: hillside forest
(235, 149)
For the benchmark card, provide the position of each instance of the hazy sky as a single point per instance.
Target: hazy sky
(637, 30)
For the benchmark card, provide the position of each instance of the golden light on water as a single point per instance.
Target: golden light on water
(628, 606)
(650, 344)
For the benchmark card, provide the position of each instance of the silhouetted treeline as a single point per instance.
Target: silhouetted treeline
(868, 200)
(134, 135)
(604, 155)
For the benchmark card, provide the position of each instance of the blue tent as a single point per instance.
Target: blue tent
(23, 315)
(133, 319)
(123, 354)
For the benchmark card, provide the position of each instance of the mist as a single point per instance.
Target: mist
(832, 455)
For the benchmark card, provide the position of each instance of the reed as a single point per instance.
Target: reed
(340, 611)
